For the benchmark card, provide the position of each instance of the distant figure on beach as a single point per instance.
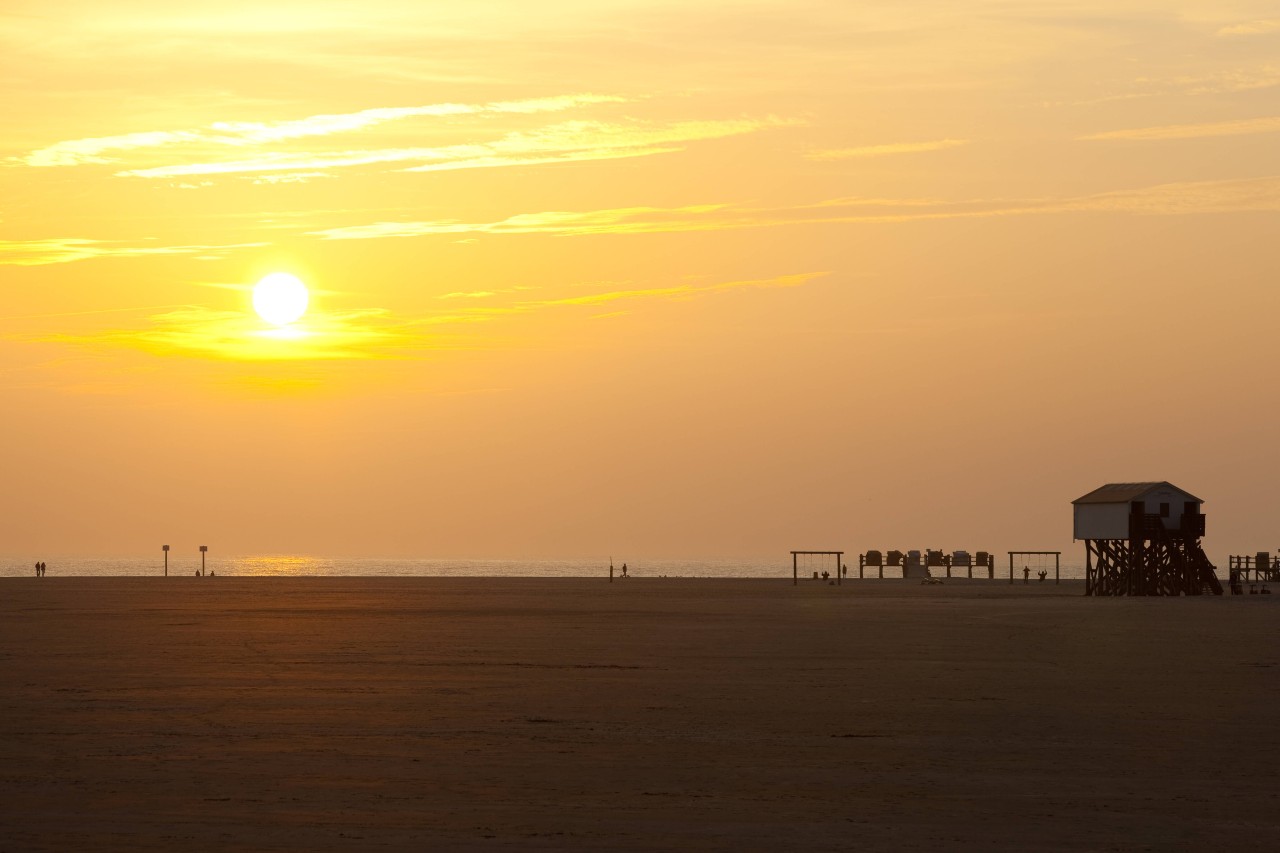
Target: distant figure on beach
(1026, 575)
(624, 570)
(197, 573)
(826, 575)
(211, 574)
(37, 570)
(1043, 573)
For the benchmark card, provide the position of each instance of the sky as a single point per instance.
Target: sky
(634, 278)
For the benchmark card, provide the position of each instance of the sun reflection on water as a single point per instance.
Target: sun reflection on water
(279, 565)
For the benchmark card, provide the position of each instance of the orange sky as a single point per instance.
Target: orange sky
(646, 278)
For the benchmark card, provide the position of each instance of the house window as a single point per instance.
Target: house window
(1164, 510)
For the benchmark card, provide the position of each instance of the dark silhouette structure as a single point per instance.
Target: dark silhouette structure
(203, 550)
(165, 548)
(1039, 559)
(795, 563)
(917, 564)
(1136, 545)
(1251, 569)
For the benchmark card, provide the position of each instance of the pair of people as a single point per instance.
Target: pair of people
(40, 569)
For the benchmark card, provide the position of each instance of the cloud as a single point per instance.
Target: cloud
(885, 150)
(1267, 124)
(1245, 195)
(680, 291)
(366, 334)
(613, 221)
(75, 152)
(288, 178)
(1192, 197)
(62, 250)
(574, 140)
(1234, 80)
(1252, 28)
(239, 336)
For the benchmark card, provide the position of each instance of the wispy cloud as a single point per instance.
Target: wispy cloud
(62, 250)
(679, 291)
(1268, 124)
(287, 178)
(886, 149)
(574, 140)
(238, 336)
(368, 334)
(676, 292)
(1255, 194)
(75, 152)
(1252, 28)
(618, 220)
(1233, 80)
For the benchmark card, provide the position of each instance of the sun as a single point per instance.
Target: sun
(280, 298)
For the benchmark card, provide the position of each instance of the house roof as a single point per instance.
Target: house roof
(1115, 493)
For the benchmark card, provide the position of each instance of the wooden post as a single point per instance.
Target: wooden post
(203, 549)
(1057, 568)
(1010, 567)
(839, 565)
(1088, 567)
(795, 572)
(165, 548)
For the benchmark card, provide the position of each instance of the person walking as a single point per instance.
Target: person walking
(1026, 574)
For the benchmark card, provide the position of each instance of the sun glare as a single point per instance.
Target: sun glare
(280, 298)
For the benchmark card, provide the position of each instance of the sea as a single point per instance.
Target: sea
(282, 565)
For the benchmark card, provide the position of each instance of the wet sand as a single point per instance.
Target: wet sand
(363, 713)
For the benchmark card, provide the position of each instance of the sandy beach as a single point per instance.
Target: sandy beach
(362, 713)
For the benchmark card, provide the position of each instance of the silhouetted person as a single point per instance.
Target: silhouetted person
(211, 574)
(1042, 574)
(624, 570)
(1026, 574)
(37, 570)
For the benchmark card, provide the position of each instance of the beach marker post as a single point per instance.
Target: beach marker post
(165, 548)
(203, 549)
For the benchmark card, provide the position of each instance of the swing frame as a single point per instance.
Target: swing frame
(795, 564)
(1057, 562)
